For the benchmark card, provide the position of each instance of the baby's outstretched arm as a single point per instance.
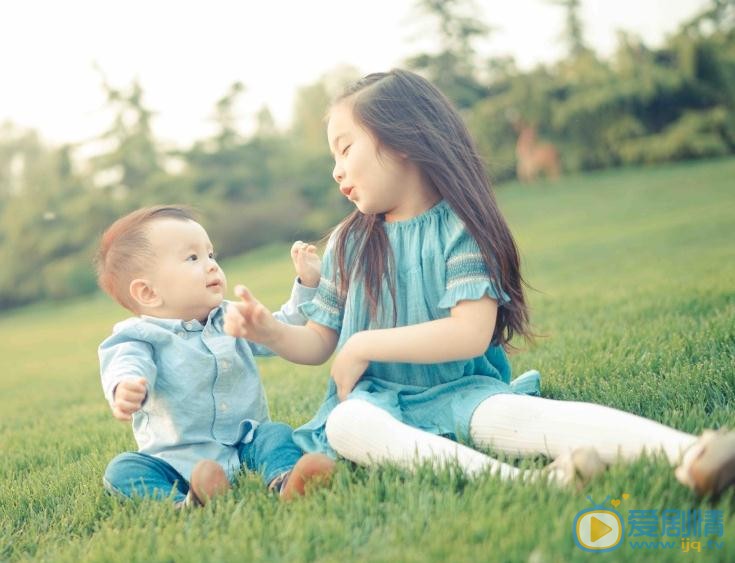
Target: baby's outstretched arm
(310, 344)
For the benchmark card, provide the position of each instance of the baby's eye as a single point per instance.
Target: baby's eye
(213, 255)
(192, 258)
(346, 150)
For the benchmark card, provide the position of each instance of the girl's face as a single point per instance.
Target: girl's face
(376, 181)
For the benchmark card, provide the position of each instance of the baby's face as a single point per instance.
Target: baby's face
(186, 275)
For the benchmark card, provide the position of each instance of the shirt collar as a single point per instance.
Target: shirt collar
(215, 317)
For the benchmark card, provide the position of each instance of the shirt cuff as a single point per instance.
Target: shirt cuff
(301, 293)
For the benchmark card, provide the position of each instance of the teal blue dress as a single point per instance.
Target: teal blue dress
(438, 264)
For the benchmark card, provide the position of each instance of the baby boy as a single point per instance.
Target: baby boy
(193, 393)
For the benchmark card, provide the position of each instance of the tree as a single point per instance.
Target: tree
(134, 158)
(573, 34)
(453, 69)
(50, 221)
(265, 125)
(227, 119)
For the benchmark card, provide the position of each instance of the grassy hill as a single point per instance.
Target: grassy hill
(634, 277)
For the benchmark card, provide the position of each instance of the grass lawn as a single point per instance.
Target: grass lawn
(634, 277)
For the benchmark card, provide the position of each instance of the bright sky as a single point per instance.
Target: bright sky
(186, 54)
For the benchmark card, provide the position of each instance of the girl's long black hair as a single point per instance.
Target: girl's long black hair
(408, 115)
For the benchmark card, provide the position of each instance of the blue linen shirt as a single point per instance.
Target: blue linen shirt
(205, 396)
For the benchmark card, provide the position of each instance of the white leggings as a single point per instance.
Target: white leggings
(514, 424)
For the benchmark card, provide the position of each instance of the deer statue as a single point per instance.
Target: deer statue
(534, 157)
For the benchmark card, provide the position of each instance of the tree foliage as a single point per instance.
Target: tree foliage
(453, 68)
(642, 105)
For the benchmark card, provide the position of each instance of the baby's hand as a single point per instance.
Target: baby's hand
(250, 318)
(129, 397)
(307, 263)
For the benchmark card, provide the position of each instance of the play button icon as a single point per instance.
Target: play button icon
(598, 530)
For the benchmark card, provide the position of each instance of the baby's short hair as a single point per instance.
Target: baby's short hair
(125, 251)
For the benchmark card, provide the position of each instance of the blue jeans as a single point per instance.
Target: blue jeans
(271, 452)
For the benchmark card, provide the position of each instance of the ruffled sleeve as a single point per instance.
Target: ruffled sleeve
(327, 307)
(467, 277)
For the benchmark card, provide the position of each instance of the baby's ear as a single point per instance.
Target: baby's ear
(143, 293)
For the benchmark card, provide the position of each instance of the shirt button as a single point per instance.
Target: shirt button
(223, 406)
(225, 364)
(187, 325)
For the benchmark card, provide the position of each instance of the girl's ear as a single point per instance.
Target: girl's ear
(143, 293)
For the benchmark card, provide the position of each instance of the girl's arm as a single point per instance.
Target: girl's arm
(465, 334)
(310, 344)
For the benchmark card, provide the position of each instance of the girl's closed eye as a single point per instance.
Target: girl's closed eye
(346, 150)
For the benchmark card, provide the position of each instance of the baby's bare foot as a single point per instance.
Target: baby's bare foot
(311, 470)
(208, 480)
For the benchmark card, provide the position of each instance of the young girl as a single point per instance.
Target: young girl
(421, 292)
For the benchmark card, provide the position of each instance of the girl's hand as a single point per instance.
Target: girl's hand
(250, 319)
(307, 263)
(347, 368)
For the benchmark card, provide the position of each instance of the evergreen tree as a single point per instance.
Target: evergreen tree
(453, 69)
(133, 159)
